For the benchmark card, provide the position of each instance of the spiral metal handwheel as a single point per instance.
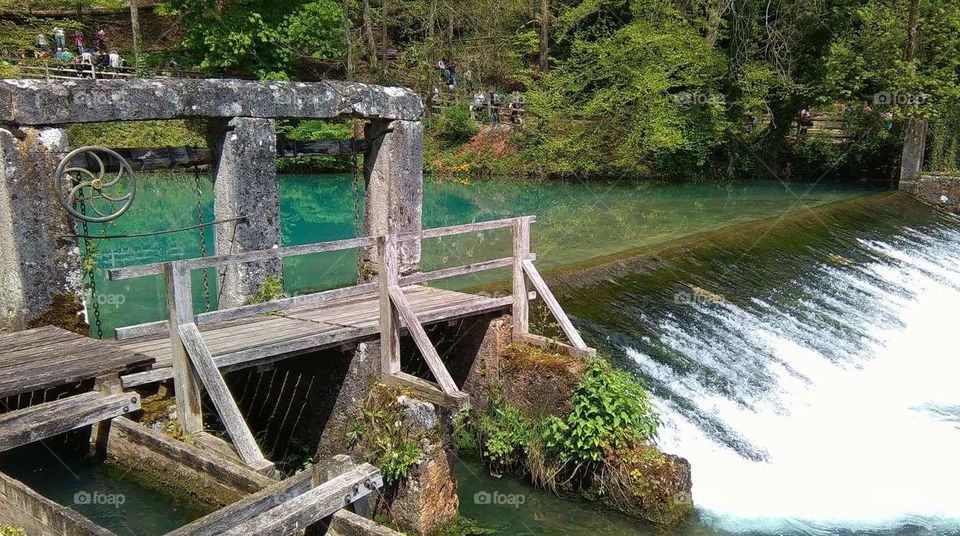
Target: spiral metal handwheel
(106, 197)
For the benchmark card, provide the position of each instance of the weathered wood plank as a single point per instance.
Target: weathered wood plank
(427, 391)
(248, 508)
(389, 319)
(554, 306)
(130, 272)
(221, 397)
(466, 269)
(459, 229)
(314, 505)
(234, 475)
(325, 339)
(423, 343)
(550, 344)
(521, 251)
(225, 315)
(180, 306)
(46, 420)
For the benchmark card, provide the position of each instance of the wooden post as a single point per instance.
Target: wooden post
(100, 433)
(180, 305)
(521, 252)
(389, 317)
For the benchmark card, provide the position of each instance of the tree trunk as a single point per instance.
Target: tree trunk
(383, 37)
(368, 30)
(346, 35)
(544, 35)
(913, 31)
(135, 31)
(433, 20)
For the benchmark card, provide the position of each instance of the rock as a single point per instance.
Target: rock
(647, 484)
(41, 102)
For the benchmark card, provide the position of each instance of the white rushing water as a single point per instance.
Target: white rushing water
(854, 418)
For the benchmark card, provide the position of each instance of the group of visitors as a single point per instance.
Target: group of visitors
(448, 74)
(80, 56)
(492, 102)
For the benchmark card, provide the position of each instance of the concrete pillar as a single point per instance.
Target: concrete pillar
(393, 172)
(245, 184)
(40, 277)
(914, 147)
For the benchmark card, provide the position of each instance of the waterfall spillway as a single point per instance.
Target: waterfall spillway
(808, 368)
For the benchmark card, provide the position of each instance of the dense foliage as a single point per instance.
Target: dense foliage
(627, 88)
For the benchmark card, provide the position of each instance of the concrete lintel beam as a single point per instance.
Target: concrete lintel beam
(41, 102)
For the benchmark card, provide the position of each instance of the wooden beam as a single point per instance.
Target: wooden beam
(42, 421)
(248, 508)
(554, 306)
(550, 344)
(521, 252)
(427, 391)
(180, 307)
(100, 433)
(244, 311)
(460, 229)
(300, 512)
(455, 271)
(131, 272)
(419, 336)
(220, 395)
(389, 319)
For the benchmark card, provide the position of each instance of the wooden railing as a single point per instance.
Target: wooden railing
(192, 360)
(62, 71)
(505, 109)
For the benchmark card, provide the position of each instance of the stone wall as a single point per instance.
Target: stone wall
(39, 262)
(22, 507)
(940, 190)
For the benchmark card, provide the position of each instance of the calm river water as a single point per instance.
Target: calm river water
(802, 359)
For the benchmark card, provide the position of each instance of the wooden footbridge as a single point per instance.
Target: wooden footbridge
(196, 349)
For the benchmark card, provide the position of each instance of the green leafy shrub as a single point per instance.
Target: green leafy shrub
(454, 125)
(11, 531)
(611, 411)
(383, 436)
(270, 289)
(506, 434)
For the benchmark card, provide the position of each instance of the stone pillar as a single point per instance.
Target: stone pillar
(427, 499)
(914, 147)
(393, 171)
(40, 277)
(245, 184)
(363, 372)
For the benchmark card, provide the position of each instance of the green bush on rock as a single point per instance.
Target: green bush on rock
(596, 441)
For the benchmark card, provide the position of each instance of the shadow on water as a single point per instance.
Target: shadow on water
(106, 494)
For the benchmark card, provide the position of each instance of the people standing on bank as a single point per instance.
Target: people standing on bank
(58, 37)
(79, 41)
(101, 40)
(468, 77)
(494, 106)
(41, 45)
(453, 75)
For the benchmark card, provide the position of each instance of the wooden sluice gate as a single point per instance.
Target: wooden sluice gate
(53, 381)
(195, 350)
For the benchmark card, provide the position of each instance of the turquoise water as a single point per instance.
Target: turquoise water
(106, 494)
(576, 221)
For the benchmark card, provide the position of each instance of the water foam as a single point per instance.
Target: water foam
(853, 426)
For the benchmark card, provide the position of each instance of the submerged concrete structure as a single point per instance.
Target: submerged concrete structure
(41, 262)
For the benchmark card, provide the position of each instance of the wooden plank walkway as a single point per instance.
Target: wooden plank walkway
(47, 357)
(261, 339)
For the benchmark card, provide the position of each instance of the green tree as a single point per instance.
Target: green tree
(259, 37)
